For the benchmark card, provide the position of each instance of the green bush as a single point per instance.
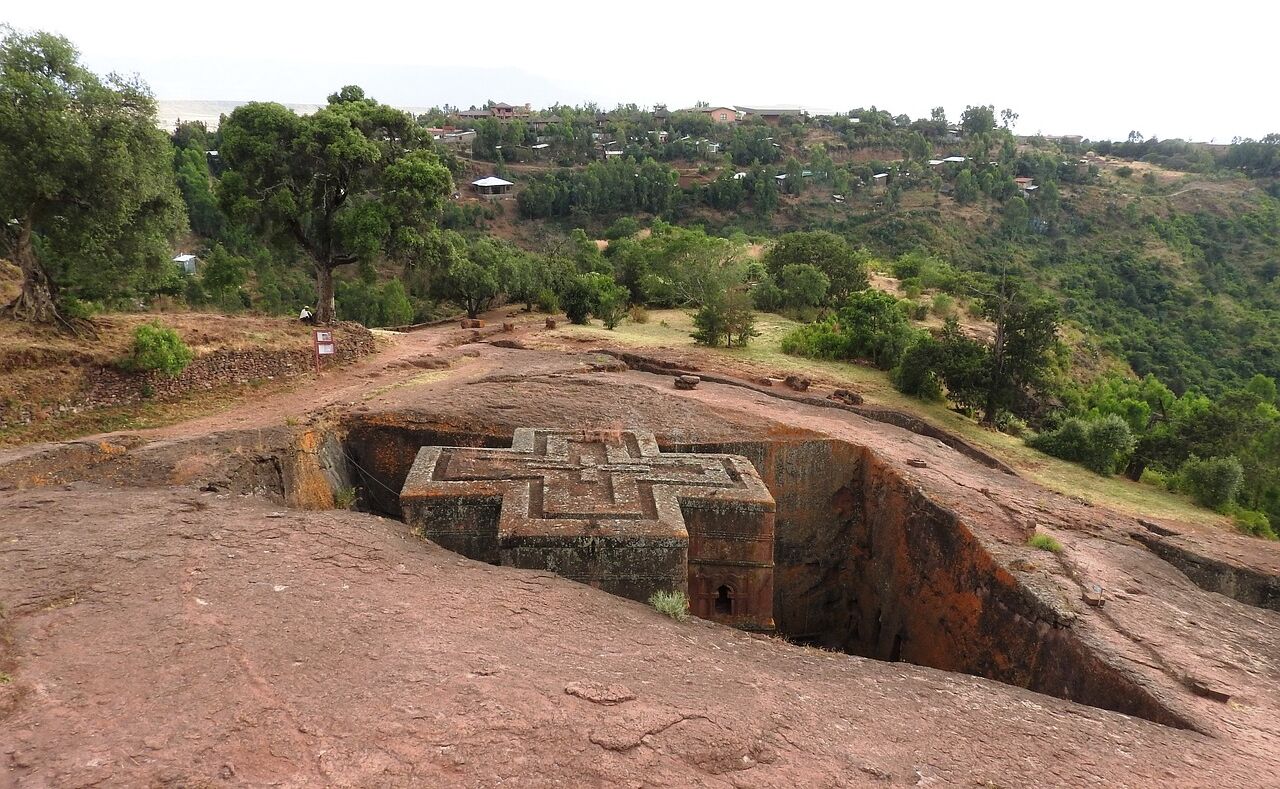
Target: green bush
(1044, 542)
(1151, 476)
(1252, 522)
(915, 374)
(673, 604)
(1212, 482)
(548, 301)
(1109, 443)
(767, 296)
(1098, 444)
(943, 305)
(578, 299)
(157, 347)
(871, 325)
(625, 226)
(610, 304)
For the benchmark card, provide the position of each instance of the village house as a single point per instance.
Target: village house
(187, 262)
(718, 114)
(1025, 184)
(492, 187)
(771, 115)
(499, 111)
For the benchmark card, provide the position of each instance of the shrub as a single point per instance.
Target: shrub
(1124, 171)
(943, 305)
(157, 347)
(673, 604)
(1152, 477)
(1213, 482)
(767, 296)
(915, 374)
(918, 311)
(578, 300)
(1099, 444)
(548, 301)
(343, 498)
(638, 314)
(1010, 424)
(1044, 542)
(1109, 443)
(610, 304)
(625, 226)
(1252, 522)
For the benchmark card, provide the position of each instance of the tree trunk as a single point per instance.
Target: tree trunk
(325, 309)
(37, 301)
(1135, 468)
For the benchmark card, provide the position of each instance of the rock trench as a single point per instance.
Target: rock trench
(865, 563)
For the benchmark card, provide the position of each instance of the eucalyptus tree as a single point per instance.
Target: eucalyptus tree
(351, 182)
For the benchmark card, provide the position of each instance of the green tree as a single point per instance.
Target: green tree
(711, 322)
(578, 299)
(396, 308)
(978, 120)
(739, 320)
(332, 184)
(223, 274)
(1026, 333)
(803, 285)
(966, 190)
(1016, 217)
(87, 193)
(845, 267)
(471, 285)
(610, 301)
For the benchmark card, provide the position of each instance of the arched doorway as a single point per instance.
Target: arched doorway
(724, 600)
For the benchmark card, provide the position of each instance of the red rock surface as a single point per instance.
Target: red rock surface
(160, 635)
(170, 637)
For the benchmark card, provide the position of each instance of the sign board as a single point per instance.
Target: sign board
(322, 340)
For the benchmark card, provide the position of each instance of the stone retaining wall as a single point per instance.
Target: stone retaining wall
(111, 386)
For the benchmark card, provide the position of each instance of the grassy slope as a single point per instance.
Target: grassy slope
(671, 328)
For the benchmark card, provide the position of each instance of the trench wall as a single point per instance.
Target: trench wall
(864, 563)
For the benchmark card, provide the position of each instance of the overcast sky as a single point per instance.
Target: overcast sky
(1204, 72)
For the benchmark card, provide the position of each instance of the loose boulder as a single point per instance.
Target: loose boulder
(797, 382)
(687, 381)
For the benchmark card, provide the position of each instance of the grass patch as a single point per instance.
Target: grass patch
(1045, 543)
(5, 679)
(673, 604)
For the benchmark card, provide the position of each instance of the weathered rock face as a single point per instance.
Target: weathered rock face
(606, 508)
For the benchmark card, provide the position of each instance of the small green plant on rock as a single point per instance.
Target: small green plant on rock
(1045, 543)
(673, 604)
(343, 498)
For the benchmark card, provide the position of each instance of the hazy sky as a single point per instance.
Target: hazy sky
(1203, 71)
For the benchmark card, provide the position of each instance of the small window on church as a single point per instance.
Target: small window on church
(724, 600)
